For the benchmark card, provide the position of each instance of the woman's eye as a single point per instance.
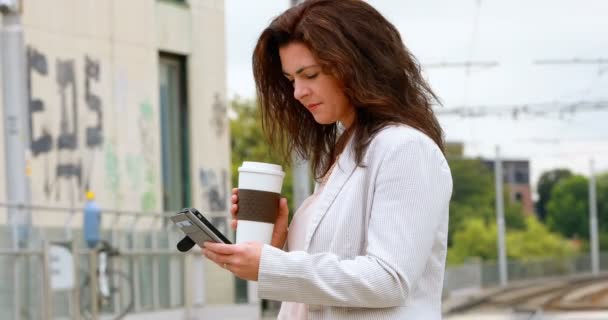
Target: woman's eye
(312, 76)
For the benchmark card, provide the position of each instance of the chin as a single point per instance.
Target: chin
(324, 121)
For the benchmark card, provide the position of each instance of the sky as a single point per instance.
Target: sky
(513, 34)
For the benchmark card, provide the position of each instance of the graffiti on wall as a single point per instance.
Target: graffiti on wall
(219, 120)
(147, 136)
(214, 189)
(61, 150)
(67, 140)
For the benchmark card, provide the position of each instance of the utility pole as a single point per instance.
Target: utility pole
(500, 219)
(595, 252)
(16, 132)
(301, 170)
(16, 137)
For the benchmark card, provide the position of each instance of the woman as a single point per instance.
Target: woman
(337, 86)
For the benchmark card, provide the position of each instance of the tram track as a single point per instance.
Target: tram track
(582, 293)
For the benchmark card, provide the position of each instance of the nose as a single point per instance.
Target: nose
(300, 90)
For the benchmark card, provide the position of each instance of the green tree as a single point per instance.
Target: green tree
(545, 185)
(473, 196)
(479, 239)
(568, 206)
(602, 200)
(248, 143)
(536, 241)
(568, 209)
(476, 238)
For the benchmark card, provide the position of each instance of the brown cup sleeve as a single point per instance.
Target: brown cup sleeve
(260, 206)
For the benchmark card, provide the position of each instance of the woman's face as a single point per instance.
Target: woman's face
(319, 92)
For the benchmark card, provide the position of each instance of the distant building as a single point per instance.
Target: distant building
(516, 176)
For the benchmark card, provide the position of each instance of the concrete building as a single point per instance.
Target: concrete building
(127, 99)
(516, 176)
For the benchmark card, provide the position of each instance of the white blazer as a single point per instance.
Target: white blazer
(377, 243)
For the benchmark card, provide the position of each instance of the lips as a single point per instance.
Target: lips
(312, 106)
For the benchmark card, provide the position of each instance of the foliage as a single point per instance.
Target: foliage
(546, 183)
(248, 143)
(536, 241)
(475, 239)
(568, 206)
(479, 239)
(568, 209)
(473, 196)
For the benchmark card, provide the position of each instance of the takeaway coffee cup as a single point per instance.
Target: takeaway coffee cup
(259, 194)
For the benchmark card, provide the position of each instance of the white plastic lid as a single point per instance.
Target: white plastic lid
(262, 167)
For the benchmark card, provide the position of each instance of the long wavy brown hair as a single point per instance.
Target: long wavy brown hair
(353, 42)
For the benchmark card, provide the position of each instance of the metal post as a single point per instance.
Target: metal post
(118, 265)
(17, 294)
(94, 281)
(301, 170)
(301, 181)
(500, 219)
(16, 136)
(76, 290)
(595, 261)
(136, 267)
(47, 297)
(155, 267)
(16, 129)
(187, 285)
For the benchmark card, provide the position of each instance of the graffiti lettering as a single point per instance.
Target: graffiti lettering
(218, 121)
(66, 78)
(94, 133)
(69, 165)
(214, 194)
(37, 64)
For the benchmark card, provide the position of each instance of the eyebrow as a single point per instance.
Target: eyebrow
(301, 69)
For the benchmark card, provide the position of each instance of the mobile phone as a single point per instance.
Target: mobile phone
(197, 227)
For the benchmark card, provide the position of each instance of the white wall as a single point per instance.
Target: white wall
(122, 41)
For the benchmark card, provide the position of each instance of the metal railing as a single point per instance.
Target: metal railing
(476, 275)
(162, 277)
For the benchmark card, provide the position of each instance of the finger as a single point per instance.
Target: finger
(221, 248)
(283, 208)
(233, 224)
(219, 259)
(233, 210)
(235, 191)
(234, 198)
(279, 232)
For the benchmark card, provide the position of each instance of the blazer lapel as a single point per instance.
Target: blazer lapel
(341, 173)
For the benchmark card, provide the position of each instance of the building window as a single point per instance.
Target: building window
(518, 196)
(174, 132)
(521, 176)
